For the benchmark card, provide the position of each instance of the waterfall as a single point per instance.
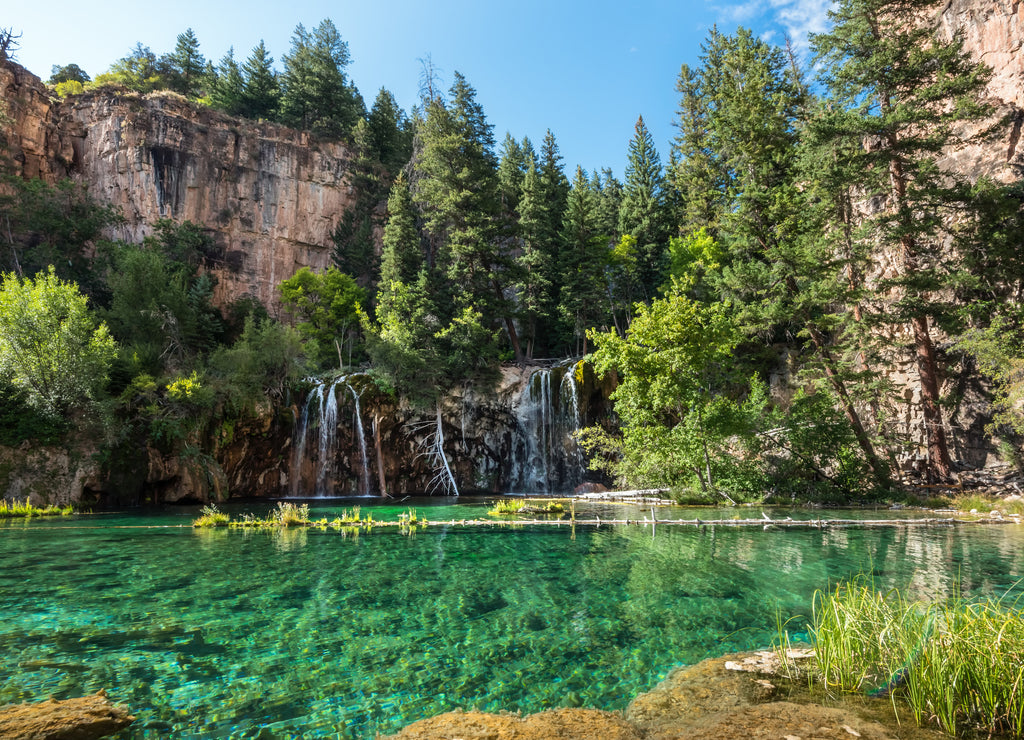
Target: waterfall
(548, 457)
(328, 433)
(572, 422)
(358, 423)
(321, 409)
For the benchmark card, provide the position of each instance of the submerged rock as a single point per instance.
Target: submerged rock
(735, 697)
(84, 718)
(554, 724)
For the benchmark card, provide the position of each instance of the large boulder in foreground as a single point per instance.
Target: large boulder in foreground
(85, 718)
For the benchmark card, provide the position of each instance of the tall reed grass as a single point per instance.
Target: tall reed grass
(957, 663)
(11, 509)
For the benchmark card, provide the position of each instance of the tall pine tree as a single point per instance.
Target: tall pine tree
(907, 96)
(261, 94)
(317, 95)
(643, 214)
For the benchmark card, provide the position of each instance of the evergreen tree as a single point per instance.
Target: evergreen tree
(187, 65)
(261, 92)
(389, 132)
(511, 171)
(608, 190)
(317, 95)
(696, 176)
(583, 260)
(457, 193)
(229, 86)
(535, 262)
(402, 257)
(643, 213)
(911, 95)
(554, 189)
(778, 271)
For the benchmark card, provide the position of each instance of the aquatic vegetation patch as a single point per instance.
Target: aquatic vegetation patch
(957, 663)
(211, 516)
(11, 509)
(509, 506)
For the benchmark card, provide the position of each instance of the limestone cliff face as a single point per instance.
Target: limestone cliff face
(270, 196)
(31, 128)
(993, 32)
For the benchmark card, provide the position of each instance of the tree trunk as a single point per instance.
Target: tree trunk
(940, 467)
(510, 326)
(939, 463)
(878, 469)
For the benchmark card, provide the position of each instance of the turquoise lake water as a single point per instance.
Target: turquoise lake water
(308, 633)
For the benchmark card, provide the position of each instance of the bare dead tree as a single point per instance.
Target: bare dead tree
(9, 43)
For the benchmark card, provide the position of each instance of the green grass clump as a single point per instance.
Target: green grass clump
(211, 516)
(506, 506)
(288, 514)
(352, 516)
(957, 663)
(985, 504)
(11, 509)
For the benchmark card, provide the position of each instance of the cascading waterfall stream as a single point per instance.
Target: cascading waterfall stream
(322, 405)
(570, 390)
(358, 423)
(328, 434)
(532, 450)
(548, 414)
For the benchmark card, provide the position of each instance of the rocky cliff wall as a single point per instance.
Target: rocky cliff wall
(270, 196)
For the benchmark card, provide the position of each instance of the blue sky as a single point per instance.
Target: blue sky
(585, 70)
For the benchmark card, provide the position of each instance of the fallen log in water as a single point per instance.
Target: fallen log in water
(764, 523)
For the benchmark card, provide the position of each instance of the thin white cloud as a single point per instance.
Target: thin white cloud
(740, 13)
(797, 18)
(801, 18)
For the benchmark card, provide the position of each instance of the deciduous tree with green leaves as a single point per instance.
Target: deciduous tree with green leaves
(50, 343)
(327, 307)
(675, 364)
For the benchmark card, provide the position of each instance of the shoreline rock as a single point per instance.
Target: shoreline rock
(84, 718)
(724, 698)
